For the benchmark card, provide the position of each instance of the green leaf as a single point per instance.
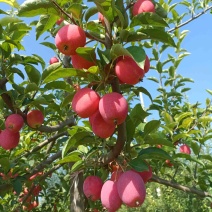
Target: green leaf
(187, 157)
(159, 35)
(17, 185)
(150, 127)
(138, 54)
(12, 3)
(46, 22)
(155, 138)
(154, 152)
(9, 19)
(31, 8)
(148, 19)
(154, 79)
(142, 90)
(17, 71)
(72, 157)
(118, 50)
(87, 52)
(130, 128)
(209, 91)
(138, 164)
(77, 166)
(61, 85)
(138, 115)
(62, 73)
(31, 87)
(76, 10)
(195, 147)
(90, 12)
(50, 45)
(182, 115)
(33, 74)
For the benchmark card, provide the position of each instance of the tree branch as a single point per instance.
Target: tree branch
(191, 19)
(180, 187)
(50, 129)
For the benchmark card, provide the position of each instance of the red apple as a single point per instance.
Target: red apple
(143, 6)
(85, 102)
(59, 21)
(185, 149)
(146, 64)
(109, 196)
(113, 108)
(35, 118)
(69, 38)
(14, 122)
(131, 189)
(79, 62)
(146, 175)
(9, 139)
(53, 60)
(128, 71)
(101, 18)
(92, 187)
(100, 127)
(168, 163)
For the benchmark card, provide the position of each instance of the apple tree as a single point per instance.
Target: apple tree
(74, 131)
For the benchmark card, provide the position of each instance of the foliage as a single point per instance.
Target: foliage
(65, 144)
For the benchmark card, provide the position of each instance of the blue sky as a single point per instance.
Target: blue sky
(198, 65)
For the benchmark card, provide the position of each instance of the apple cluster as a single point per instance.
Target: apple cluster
(10, 136)
(123, 187)
(104, 112)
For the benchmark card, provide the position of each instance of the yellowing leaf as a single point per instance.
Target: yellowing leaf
(12, 3)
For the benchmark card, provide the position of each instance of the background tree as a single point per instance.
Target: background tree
(43, 165)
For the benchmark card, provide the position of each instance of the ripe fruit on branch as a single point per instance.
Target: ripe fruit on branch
(92, 187)
(146, 175)
(59, 21)
(131, 189)
(85, 102)
(185, 149)
(128, 71)
(146, 64)
(53, 60)
(79, 62)
(101, 18)
(100, 127)
(168, 163)
(9, 139)
(35, 118)
(109, 196)
(113, 108)
(69, 38)
(143, 6)
(14, 122)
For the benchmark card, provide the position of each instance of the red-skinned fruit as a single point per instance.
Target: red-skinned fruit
(79, 62)
(146, 175)
(69, 38)
(128, 71)
(146, 64)
(14, 122)
(131, 189)
(168, 163)
(92, 187)
(35, 118)
(101, 18)
(113, 108)
(109, 196)
(59, 21)
(85, 102)
(143, 6)
(185, 149)
(37, 190)
(53, 60)
(9, 139)
(100, 127)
